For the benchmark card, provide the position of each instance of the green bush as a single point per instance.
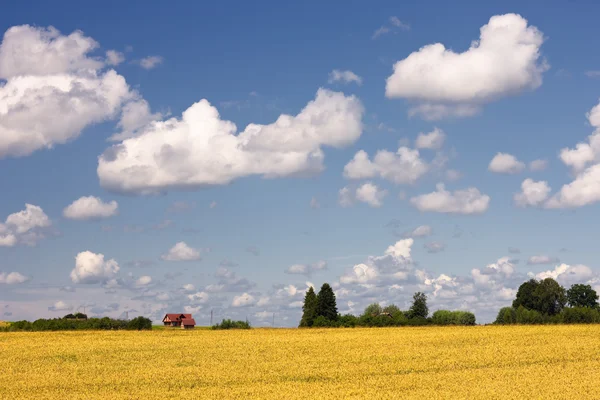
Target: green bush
(61, 324)
(230, 324)
(445, 317)
(506, 316)
(348, 321)
(321, 322)
(527, 317)
(580, 315)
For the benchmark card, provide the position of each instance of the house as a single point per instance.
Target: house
(184, 321)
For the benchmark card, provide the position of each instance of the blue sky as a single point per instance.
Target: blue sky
(250, 204)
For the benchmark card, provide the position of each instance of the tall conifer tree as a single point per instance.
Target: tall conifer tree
(309, 308)
(326, 304)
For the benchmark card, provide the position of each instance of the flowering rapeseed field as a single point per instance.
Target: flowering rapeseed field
(490, 362)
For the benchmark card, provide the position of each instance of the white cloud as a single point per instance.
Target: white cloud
(372, 195)
(201, 149)
(90, 207)
(585, 153)
(420, 231)
(24, 227)
(403, 167)
(92, 268)
(46, 75)
(538, 165)
(114, 57)
(142, 281)
(466, 201)
(568, 274)
(433, 140)
(13, 278)
(181, 252)
(360, 273)
(434, 247)
(306, 269)
(532, 193)
(453, 175)
(542, 259)
(592, 74)
(344, 77)
(135, 116)
(394, 24)
(188, 287)
(60, 306)
(243, 300)
(503, 163)
(504, 61)
(199, 298)
(151, 62)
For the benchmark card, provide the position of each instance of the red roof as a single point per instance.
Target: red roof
(177, 317)
(188, 322)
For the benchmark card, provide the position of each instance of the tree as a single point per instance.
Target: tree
(309, 308)
(419, 306)
(550, 297)
(525, 295)
(580, 295)
(373, 310)
(326, 304)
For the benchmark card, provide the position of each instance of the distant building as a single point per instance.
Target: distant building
(184, 321)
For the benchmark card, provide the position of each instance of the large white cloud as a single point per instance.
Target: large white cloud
(504, 61)
(201, 149)
(403, 167)
(466, 201)
(243, 300)
(46, 75)
(24, 227)
(568, 274)
(584, 160)
(532, 193)
(13, 278)
(90, 207)
(93, 268)
(181, 252)
(504, 163)
(371, 194)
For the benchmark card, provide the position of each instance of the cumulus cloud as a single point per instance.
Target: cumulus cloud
(92, 268)
(433, 140)
(420, 231)
(584, 160)
(143, 281)
(568, 274)
(306, 269)
(181, 252)
(503, 163)
(151, 62)
(344, 77)
(532, 193)
(542, 259)
(345, 197)
(243, 300)
(24, 227)
(114, 57)
(47, 74)
(60, 306)
(90, 207)
(198, 298)
(504, 61)
(466, 201)
(403, 167)
(229, 281)
(371, 194)
(13, 278)
(201, 149)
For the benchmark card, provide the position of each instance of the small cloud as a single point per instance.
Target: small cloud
(212, 204)
(181, 207)
(114, 57)
(393, 26)
(538, 165)
(181, 252)
(435, 247)
(13, 278)
(542, 259)
(60, 306)
(314, 203)
(151, 62)
(593, 74)
(344, 77)
(514, 250)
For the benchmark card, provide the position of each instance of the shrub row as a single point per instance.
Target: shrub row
(59, 324)
(230, 324)
(569, 315)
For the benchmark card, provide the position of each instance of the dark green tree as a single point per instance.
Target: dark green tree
(419, 306)
(326, 304)
(580, 295)
(372, 310)
(309, 309)
(525, 295)
(550, 297)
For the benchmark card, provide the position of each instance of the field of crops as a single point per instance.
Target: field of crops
(426, 363)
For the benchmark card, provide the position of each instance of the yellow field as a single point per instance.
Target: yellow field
(538, 362)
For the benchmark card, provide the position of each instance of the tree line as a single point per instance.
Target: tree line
(71, 323)
(320, 310)
(547, 302)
